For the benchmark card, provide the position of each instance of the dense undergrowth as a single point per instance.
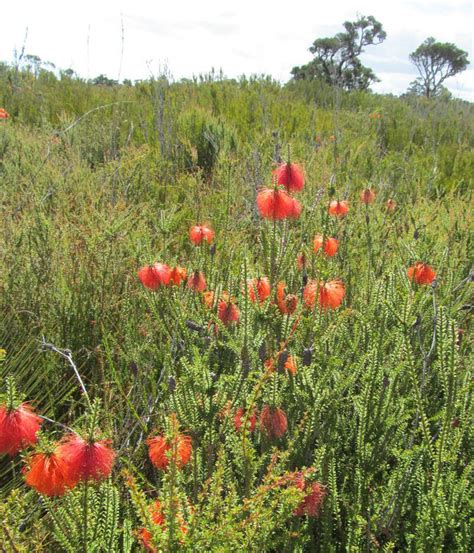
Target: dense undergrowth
(97, 182)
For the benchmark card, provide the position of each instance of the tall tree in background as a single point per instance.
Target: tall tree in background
(436, 61)
(336, 59)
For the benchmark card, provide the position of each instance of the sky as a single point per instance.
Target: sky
(138, 38)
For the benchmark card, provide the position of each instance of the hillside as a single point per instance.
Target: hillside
(375, 451)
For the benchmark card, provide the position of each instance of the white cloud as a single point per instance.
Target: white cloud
(251, 36)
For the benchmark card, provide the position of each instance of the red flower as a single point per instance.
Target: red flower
(367, 196)
(421, 273)
(197, 282)
(48, 474)
(18, 428)
(261, 285)
(287, 304)
(295, 210)
(291, 176)
(275, 204)
(330, 245)
(177, 275)
(329, 294)
(159, 447)
(198, 233)
(228, 312)
(239, 419)
(338, 209)
(273, 421)
(86, 460)
(391, 205)
(312, 502)
(154, 276)
(4, 114)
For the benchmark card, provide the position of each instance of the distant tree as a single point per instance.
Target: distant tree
(436, 61)
(336, 59)
(103, 80)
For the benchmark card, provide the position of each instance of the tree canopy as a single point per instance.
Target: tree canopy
(436, 61)
(336, 59)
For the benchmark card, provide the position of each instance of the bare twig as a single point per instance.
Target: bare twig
(67, 354)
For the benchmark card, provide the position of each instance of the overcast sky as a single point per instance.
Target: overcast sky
(244, 36)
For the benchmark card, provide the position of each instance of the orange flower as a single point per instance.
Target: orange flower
(421, 273)
(391, 205)
(177, 275)
(287, 304)
(290, 364)
(208, 298)
(239, 419)
(367, 196)
(197, 282)
(275, 204)
(154, 276)
(291, 176)
(295, 210)
(48, 474)
(198, 233)
(273, 421)
(157, 517)
(261, 285)
(330, 245)
(159, 447)
(228, 312)
(329, 294)
(338, 208)
(18, 428)
(4, 114)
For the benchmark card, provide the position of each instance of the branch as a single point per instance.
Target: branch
(67, 354)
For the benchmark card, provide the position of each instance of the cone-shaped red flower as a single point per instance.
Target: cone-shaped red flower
(291, 176)
(260, 286)
(85, 460)
(197, 282)
(338, 208)
(391, 205)
(239, 419)
(287, 303)
(421, 273)
(273, 421)
(367, 196)
(198, 233)
(154, 276)
(312, 502)
(48, 474)
(228, 312)
(177, 275)
(4, 114)
(329, 294)
(18, 428)
(331, 245)
(275, 204)
(159, 446)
